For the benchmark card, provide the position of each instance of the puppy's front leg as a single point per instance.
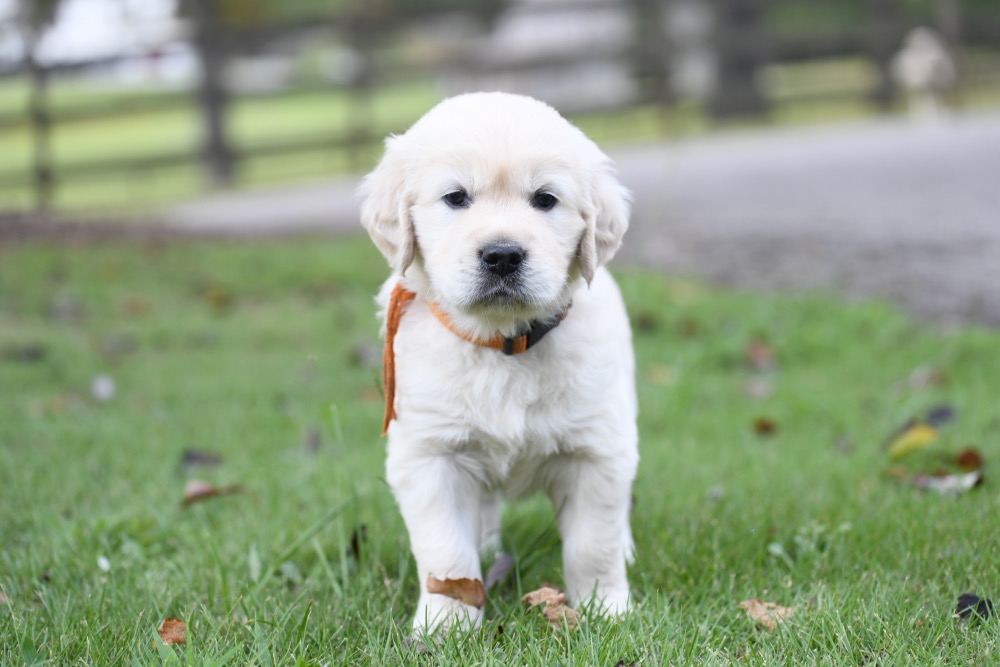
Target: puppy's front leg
(440, 504)
(592, 498)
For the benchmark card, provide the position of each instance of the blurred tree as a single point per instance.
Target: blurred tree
(33, 18)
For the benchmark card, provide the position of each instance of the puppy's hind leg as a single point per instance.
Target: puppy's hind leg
(440, 503)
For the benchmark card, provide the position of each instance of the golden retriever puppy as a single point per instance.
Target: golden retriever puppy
(508, 361)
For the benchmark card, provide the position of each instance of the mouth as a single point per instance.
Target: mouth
(496, 292)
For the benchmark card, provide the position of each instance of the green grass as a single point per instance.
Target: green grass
(244, 349)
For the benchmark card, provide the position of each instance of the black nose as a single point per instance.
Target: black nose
(502, 257)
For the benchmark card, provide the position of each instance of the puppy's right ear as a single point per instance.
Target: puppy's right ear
(385, 212)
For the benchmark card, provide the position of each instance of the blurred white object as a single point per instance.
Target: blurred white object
(102, 388)
(533, 49)
(260, 75)
(103, 564)
(925, 69)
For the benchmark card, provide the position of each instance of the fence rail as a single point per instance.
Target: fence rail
(741, 40)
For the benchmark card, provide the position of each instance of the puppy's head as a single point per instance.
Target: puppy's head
(495, 205)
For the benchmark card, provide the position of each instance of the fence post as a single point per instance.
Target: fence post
(740, 49)
(884, 35)
(41, 132)
(363, 29)
(650, 56)
(213, 98)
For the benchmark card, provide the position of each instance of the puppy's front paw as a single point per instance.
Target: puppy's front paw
(440, 612)
(609, 603)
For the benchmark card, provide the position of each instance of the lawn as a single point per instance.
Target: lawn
(758, 478)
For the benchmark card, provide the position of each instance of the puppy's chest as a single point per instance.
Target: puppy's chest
(494, 407)
(515, 416)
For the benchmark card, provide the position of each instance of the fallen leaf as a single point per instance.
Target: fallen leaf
(969, 603)
(66, 308)
(102, 388)
(646, 322)
(218, 298)
(940, 415)
(172, 631)
(114, 346)
(466, 591)
(844, 445)
(197, 458)
(764, 426)
(135, 306)
(949, 485)
(561, 615)
(366, 354)
(896, 472)
(556, 611)
(766, 614)
(313, 440)
(26, 353)
(196, 490)
(924, 377)
(912, 437)
(661, 375)
(969, 460)
(916, 434)
(501, 567)
(543, 595)
(688, 328)
(759, 356)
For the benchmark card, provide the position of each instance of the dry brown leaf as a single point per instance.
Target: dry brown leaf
(759, 356)
(969, 460)
(196, 490)
(193, 457)
(543, 595)
(559, 615)
(766, 614)
(556, 611)
(466, 591)
(172, 631)
(764, 426)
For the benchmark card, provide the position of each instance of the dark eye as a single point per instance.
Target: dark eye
(457, 199)
(543, 201)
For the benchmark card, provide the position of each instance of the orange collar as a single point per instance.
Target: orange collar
(397, 303)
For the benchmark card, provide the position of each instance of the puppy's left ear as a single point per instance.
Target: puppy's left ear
(385, 212)
(606, 218)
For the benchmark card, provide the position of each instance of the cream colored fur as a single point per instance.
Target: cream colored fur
(473, 424)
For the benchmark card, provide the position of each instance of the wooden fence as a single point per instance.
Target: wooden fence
(745, 38)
